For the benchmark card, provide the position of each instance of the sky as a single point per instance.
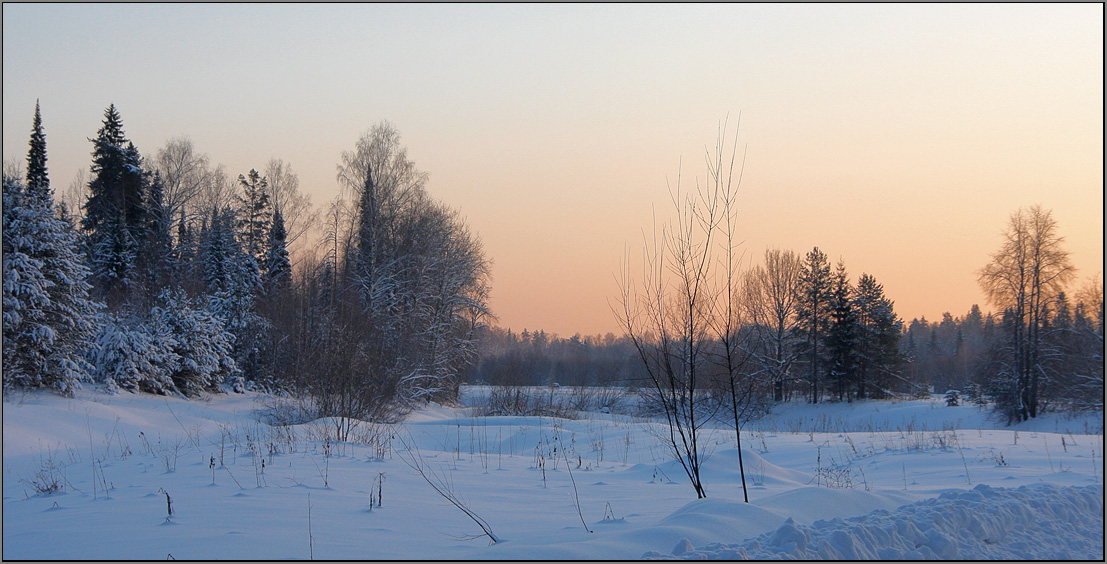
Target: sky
(896, 138)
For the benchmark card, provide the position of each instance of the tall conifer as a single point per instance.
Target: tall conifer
(48, 316)
(38, 183)
(115, 215)
(812, 312)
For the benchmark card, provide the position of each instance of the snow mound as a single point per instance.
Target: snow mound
(1041, 522)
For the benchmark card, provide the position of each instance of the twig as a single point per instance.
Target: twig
(92, 453)
(233, 478)
(576, 494)
(1045, 441)
(414, 460)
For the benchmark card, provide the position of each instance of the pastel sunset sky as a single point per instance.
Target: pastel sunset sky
(898, 138)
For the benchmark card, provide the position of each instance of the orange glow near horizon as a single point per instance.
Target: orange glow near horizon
(898, 138)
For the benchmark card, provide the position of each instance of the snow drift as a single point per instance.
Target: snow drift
(1041, 522)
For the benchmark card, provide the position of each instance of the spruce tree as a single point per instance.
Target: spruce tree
(812, 313)
(368, 220)
(232, 283)
(278, 269)
(155, 253)
(48, 316)
(370, 248)
(114, 213)
(183, 264)
(255, 216)
(38, 183)
(841, 340)
(216, 241)
(878, 339)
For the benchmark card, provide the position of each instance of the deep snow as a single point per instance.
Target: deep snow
(882, 463)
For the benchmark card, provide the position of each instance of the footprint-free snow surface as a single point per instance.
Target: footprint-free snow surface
(94, 478)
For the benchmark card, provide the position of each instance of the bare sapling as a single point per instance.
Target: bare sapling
(677, 310)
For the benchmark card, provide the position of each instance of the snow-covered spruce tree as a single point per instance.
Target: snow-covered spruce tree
(48, 315)
(183, 268)
(114, 213)
(231, 282)
(134, 356)
(179, 348)
(202, 346)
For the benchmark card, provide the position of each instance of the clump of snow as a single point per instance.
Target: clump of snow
(1039, 522)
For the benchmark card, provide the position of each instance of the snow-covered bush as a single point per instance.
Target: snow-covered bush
(180, 349)
(202, 346)
(133, 356)
(953, 398)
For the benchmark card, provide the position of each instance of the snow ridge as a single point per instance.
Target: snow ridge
(1040, 522)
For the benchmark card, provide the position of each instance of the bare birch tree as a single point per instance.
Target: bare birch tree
(771, 292)
(1024, 279)
(184, 173)
(294, 205)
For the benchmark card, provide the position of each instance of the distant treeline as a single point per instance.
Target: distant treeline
(969, 353)
(539, 358)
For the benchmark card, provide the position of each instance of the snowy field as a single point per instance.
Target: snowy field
(878, 480)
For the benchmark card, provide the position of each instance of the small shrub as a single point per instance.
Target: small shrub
(48, 478)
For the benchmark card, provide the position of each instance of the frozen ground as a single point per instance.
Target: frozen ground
(864, 480)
